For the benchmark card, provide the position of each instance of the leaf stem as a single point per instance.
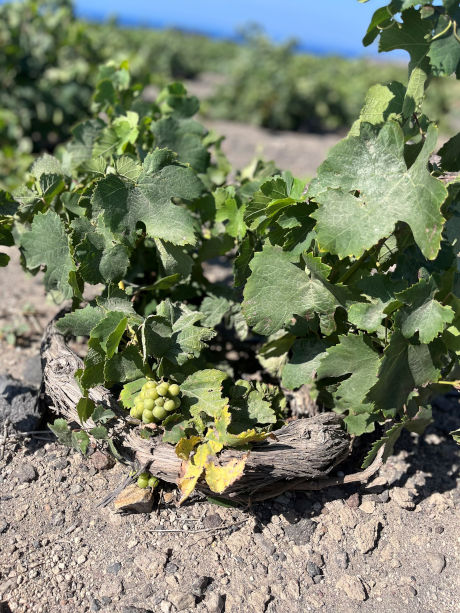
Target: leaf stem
(354, 267)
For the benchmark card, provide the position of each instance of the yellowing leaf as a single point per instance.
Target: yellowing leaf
(246, 437)
(193, 470)
(220, 477)
(185, 446)
(187, 483)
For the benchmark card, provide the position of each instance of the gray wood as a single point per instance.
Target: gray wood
(303, 450)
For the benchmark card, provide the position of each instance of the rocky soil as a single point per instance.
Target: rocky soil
(392, 545)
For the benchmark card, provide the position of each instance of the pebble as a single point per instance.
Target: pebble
(171, 568)
(313, 569)
(436, 561)
(403, 498)
(353, 501)
(165, 606)
(215, 603)
(25, 473)
(182, 600)
(101, 461)
(341, 559)
(81, 559)
(134, 499)
(301, 532)
(367, 506)
(212, 521)
(352, 586)
(199, 586)
(366, 535)
(114, 568)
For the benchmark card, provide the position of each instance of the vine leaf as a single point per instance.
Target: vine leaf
(354, 357)
(184, 136)
(278, 289)
(203, 391)
(47, 244)
(380, 292)
(304, 362)
(172, 333)
(124, 204)
(101, 258)
(85, 408)
(388, 441)
(423, 314)
(366, 174)
(219, 478)
(130, 391)
(403, 368)
(80, 322)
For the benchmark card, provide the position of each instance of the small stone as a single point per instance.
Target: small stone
(403, 498)
(215, 603)
(132, 609)
(135, 499)
(101, 461)
(366, 535)
(199, 586)
(4, 525)
(182, 600)
(411, 590)
(81, 559)
(367, 506)
(352, 586)
(317, 578)
(95, 605)
(353, 501)
(384, 496)
(436, 561)
(171, 568)
(25, 473)
(265, 544)
(165, 606)
(438, 529)
(212, 521)
(341, 559)
(301, 532)
(313, 569)
(114, 569)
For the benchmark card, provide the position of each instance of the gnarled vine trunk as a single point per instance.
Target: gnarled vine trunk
(300, 455)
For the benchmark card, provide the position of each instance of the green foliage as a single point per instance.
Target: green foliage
(349, 288)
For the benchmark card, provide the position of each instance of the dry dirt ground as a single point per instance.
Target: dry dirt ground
(392, 545)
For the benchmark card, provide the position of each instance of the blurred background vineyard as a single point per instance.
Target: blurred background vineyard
(49, 65)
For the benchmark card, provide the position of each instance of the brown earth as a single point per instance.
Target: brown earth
(390, 546)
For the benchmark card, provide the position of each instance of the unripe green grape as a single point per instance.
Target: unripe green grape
(150, 385)
(159, 413)
(159, 402)
(169, 405)
(147, 417)
(162, 389)
(152, 393)
(174, 390)
(141, 394)
(148, 404)
(143, 480)
(176, 403)
(138, 400)
(136, 412)
(153, 482)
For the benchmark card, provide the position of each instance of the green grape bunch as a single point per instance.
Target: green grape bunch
(145, 480)
(155, 401)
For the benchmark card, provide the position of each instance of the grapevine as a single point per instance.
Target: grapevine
(346, 288)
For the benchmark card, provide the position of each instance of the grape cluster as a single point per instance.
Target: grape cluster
(147, 480)
(155, 401)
